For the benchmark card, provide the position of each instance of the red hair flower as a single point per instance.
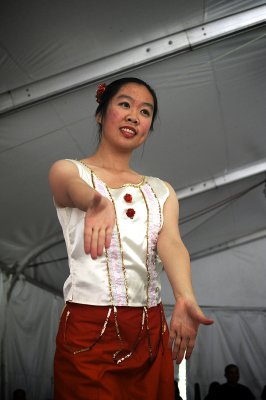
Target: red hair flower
(130, 213)
(99, 92)
(128, 198)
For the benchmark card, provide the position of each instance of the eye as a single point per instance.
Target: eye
(124, 104)
(146, 112)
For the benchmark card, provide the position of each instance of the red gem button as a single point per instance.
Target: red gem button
(128, 198)
(130, 213)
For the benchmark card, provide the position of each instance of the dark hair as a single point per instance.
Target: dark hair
(19, 394)
(230, 366)
(112, 89)
(214, 386)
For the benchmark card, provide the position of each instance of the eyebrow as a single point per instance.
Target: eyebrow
(130, 98)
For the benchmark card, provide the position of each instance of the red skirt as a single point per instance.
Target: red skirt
(104, 354)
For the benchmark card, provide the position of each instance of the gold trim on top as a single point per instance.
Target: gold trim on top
(120, 245)
(143, 179)
(159, 206)
(106, 258)
(147, 248)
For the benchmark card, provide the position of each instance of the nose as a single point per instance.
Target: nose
(132, 118)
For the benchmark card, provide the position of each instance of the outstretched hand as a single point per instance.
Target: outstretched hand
(186, 318)
(98, 225)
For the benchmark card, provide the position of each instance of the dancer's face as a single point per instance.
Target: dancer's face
(128, 117)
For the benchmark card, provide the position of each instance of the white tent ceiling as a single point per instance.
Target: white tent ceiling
(39, 40)
(211, 124)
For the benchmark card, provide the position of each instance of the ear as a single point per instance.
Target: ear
(99, 118)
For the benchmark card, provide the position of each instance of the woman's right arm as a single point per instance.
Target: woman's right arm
(70, 190)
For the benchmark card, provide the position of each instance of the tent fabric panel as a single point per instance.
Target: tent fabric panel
(47, 270)
(12, 75)
(216, 9)
(238, 76)
(201, 90)
(226, 223)
(31, 326)
(132, 58)
(26, 175)
(236, 337)
(3, 311)
(232, 278)
(76, 36)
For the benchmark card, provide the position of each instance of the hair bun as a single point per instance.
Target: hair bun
(99, 92)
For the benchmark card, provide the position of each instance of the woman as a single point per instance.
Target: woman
(113, 341)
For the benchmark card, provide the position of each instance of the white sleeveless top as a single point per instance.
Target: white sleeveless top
(127, 274)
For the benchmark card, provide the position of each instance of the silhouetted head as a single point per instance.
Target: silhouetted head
(19, 394)
(231, 373)
(214, 386)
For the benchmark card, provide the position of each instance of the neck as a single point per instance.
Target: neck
(111, 158)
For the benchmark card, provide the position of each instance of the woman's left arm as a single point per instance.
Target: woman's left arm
(187, 315)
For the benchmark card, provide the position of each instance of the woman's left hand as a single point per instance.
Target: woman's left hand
(186, 318)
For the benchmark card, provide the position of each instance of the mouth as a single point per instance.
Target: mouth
(128, 132)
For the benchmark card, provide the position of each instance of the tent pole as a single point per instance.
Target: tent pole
(228, 245)
(138, 56)
(244, 172)
(43, 286)
(51, 242)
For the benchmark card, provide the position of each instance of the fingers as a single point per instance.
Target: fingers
(98, 226)
(190, 347)
(201, 318)
(206, 321)
(96, 240)
(171, 341)
(95, 243)
(177, 347)
(100, 242)
(87, 239)
(182, 346)
(108, 237)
